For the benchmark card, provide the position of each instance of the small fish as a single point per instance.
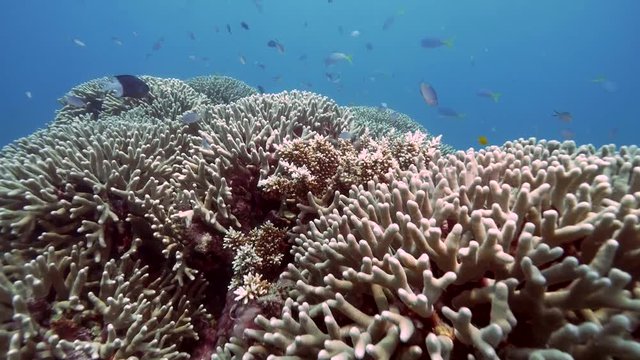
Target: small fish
(28, 94)
(482, 140)
(486, 93)
(276, 45)
(127, 86)
(79, 42)
(242, 60)
(384, 105)
(244, 25)
(135, 34)
(450, 113)
(261, 89)
(192, 36)
(190, 117)
(216, 28)
(260, 65)
(432, 43)
(229, 28)
(345, 135)
(302, 57)
(429, 94)
(116, 40)
(193, 57)
(277, 78)
(74, 101)
(368, 46)
(563, 115)
(354, 34)
(336, 57)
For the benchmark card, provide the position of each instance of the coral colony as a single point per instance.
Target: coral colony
(207, 221)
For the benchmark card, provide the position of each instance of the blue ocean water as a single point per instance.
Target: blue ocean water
(543, 56)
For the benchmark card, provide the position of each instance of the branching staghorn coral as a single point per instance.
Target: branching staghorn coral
(59, 306)
(221, 89)
(168, 100)
(514, 252)
(102, 183)
(320, 166)
(220, 178)
(260, 252)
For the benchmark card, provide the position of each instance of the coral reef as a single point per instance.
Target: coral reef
(168, 99)
(59, 305)
(221, 89)
(525, 251)
(259, 232)
(386, 122)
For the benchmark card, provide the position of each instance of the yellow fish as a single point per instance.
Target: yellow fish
(482, 140)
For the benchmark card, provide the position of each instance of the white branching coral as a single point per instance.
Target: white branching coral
(515, 252)
(253, 287)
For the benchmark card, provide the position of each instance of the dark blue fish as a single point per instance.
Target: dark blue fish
(261, 89)
(127, 86)
(276, 45)
(432, 43)
(192, 36)
(369, 46)
(229, 28)
(244, 25)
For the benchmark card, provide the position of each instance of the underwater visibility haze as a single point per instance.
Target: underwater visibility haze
(337, 179)
(541, 57)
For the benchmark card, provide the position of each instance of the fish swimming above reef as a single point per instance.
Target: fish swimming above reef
(486, 93)
(432, 43)
(336, 57)
(127, 86)
(276, 45)
(429, 94)
(563, 115)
